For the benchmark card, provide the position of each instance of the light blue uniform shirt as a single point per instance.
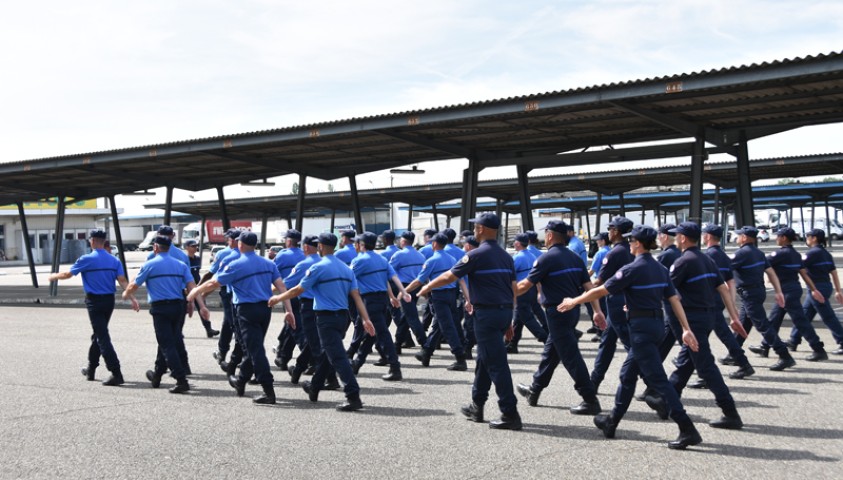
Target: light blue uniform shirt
(346, 254)
(372, 272)
(287, 259)
(407, 263)
(99, 270)
(454, 251)
(330, 281)
(175, 253)
(597, 261)
(438, 263)
(218, 258)
(524, 261)
(297, 273)
(249, 278)
(535, 251)
(165, 278)
(389, 251)
(427, 250)
(575, 245)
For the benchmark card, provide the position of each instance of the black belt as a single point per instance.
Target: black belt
(493, 306)
(697, 309)
(332, 312)
(167, 302)
(306, 300)
(550, 305)
(99, 295)
(747, 287)
(372, 294)
(644, 313)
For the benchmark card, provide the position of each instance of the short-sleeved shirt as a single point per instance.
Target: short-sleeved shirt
(490, 271)
(99, 270)
(372, 271)
(617, 257)
(696, 278)
(165, 278)
(389, 251)
(438, 263)
(819, 264)
(427, 250)
(535, 251)
(575, 245)
(669, 255)
(645, 283)
(346, 254)
(175, 253)
(218, 258)
(597, 261)
(561, 274)
(748, 265)
(331, 281)
(786, 262)
(249, 278)
(454, 251)
(287, 259)
(298, 271)
(407, 263)
(724, 266)
(524, 261)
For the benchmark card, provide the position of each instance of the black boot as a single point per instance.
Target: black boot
(295, 375)
(587, 407)
(688, 435)
(785, 361)
(729, 421)
(508, 421)
(351, 404)
(230, 368)
(311, 390)
(154, 378)
(423, 357)
(237, 384)
(459, 365)
(115, 379)
(394, 374)
(657, 403)
(89, 372)
(181, 386)
(531, 395)
(473, 412)
(607, 424)
(355, 366)
(268, 397)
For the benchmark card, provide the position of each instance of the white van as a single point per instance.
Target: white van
(833, 229)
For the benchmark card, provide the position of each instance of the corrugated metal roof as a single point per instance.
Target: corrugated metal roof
(758, 99)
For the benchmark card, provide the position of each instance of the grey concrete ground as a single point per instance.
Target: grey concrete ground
(57, 425)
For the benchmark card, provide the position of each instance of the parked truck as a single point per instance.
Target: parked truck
(215, 233)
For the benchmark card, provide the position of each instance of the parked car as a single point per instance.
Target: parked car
(273, 251)
(114, 250)
(763, 235)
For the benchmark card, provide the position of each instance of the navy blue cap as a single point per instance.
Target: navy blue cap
(522, 238)
(689, 229)
(713, 229)
(466, 233)
(190, 243)
(601, 236)
(249, 238)
(556, 226)
(368, 239)
(408, 235)
(488, 220)
(749, 231)
(165, 230)
(293, 233)
(643, 234)
(817, 233)
(232, 233)
(534, 236)
(311, 240)
(666, 229)
(96, 233)
(621, 224)
(441, 239)
(787, 233)
(328, 239)
(163, 240)
(471, 240)
(450, 233)
(429, 232)
(388, 236)
(348, 234)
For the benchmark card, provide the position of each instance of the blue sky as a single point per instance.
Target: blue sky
(86, 76)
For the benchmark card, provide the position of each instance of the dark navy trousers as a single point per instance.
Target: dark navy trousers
(332, 326)
(377, 306)
(826, 311)
(793, 306)
(444, 304)
(229, 330)
(409, 321)
(288, 338)
(492, 366)
(752, 313)
(524, 317)
(168, 320)
(562, 346)
(100, 308)
(253, 322)
(617, 328)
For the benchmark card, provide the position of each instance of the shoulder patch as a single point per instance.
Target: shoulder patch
(732, 256)
(672, 267)
(618, 275)
(307, 273)
(773, 254)
(464, 259)
(424, 266)
(535, 262)
(804, 257)
(605, 261)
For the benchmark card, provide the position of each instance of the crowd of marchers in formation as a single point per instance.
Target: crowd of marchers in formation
(479, 300)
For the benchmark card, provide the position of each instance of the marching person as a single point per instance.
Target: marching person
(191, 247)
(99, 269)
(491, 282)
(332, 284)
(288, 337)
(228, 329)
(645, 284)
(524, 261)
(166, 280)
(407, 264)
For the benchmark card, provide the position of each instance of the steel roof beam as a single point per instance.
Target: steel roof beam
(283, 167)
(691, 129)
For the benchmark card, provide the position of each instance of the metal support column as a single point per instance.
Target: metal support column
(471, 191)
(499, 213)
(828, 222)
(264, 221)
(599, 212)
(410, 218)
(202, 237)
(813, 213)
(802, 219)
(333, 218)
(524, 198)
(168, 206)
(289, 218)
(54, 285)
(717, 206)
(435, 218)
(697, 160)
(355, 204)
(27, 245)
(623, 205)
(300, 202)
(587, 225)
(226, 223)
(118, 235)
(448, 221)
(506, 228)
(744, 211)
